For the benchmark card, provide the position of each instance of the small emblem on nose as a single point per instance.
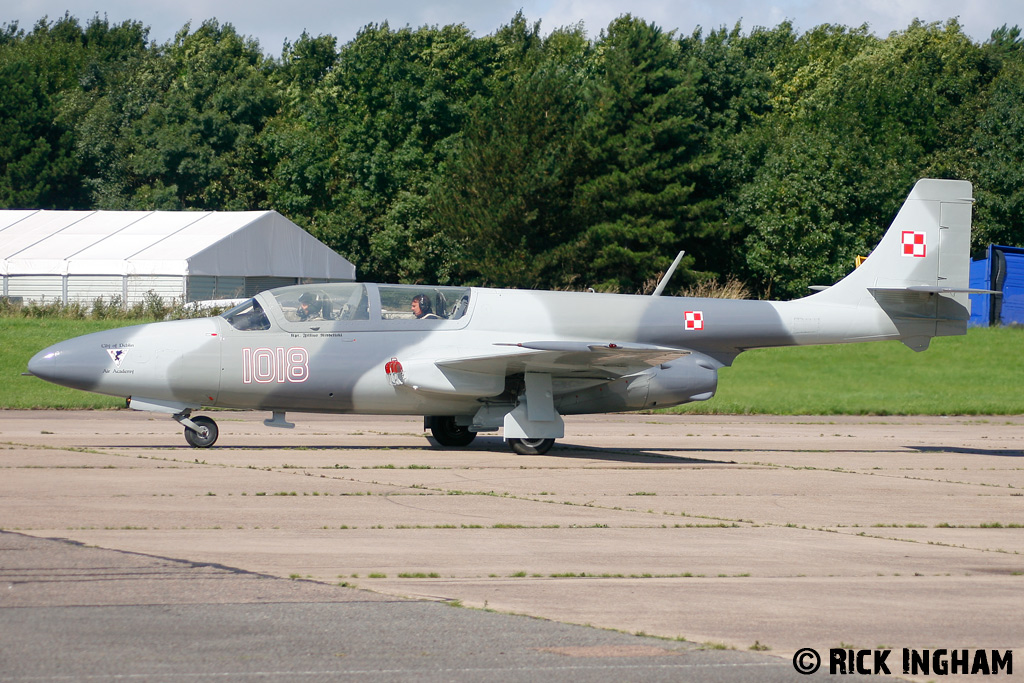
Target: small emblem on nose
(116, 355)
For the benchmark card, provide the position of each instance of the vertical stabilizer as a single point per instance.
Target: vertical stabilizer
(919, 273)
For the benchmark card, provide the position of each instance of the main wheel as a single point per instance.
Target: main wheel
(531, 446)
(447, 433)
(207, 434)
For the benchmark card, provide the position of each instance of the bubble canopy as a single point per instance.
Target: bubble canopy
(354, 305)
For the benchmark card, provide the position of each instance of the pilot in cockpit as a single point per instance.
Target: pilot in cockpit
(311, 307)
(422, 309)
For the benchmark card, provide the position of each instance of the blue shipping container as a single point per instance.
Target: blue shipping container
(1003, 270)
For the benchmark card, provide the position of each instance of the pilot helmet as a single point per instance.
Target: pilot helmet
(424, 303)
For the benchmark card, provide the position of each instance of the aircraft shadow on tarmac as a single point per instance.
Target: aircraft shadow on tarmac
(666, 455)
(616, 454)
(497, 445)
(998, 452)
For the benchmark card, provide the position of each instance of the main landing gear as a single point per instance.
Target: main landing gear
(531, 446)
(447, 433)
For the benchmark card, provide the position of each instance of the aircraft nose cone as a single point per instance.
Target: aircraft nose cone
(43, 364)
(66, 364)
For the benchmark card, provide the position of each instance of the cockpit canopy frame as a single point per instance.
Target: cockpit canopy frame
(353, 306)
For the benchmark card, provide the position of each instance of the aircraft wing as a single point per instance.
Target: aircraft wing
(597, 360)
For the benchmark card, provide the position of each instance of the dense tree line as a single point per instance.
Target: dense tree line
(523, 159)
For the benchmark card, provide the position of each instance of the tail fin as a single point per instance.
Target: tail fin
(919, 273)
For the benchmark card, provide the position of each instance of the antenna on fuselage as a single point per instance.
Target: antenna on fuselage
(668, 274)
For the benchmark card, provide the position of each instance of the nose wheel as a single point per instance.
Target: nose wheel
(205, 433)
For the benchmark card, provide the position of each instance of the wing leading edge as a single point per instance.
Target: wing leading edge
(596, 360)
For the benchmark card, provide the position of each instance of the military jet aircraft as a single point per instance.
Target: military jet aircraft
(474, 360)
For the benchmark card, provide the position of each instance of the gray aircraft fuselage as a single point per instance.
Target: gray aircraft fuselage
(481, 359)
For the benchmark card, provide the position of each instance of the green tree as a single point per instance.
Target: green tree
(644, 147)
(524, 160)
(357, 156)
(179, 129)
(506, 196)
(299, 142)
(111, 94)
(841, 164)
(38, 167)
(998, 165)
(735, 90)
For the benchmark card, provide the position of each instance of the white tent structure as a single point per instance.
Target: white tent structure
(183, 255)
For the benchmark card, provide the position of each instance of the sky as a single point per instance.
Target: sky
(274, 22)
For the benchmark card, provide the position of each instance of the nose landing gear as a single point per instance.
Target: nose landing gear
(200, 431)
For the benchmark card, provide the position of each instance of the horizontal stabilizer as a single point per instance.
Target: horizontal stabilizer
(952, 290)
(932, 289)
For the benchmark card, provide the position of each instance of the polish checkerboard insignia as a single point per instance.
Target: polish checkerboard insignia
(694, 320)
(914, 244)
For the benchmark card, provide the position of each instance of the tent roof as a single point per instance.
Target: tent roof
(242, 243)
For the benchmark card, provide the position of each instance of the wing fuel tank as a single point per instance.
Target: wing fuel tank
(687, 379)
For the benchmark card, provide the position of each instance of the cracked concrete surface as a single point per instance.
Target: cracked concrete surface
(787, 532)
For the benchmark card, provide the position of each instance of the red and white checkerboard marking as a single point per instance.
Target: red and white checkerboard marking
(694, 320)
(914, 244)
